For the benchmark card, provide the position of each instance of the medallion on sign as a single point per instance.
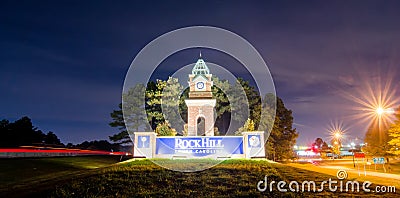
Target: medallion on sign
(254, 141)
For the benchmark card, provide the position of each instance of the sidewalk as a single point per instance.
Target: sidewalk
(369, 173)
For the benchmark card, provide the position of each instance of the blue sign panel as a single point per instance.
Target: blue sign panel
(200, 146)
(254, 141)
(378, 160)
(143, 141)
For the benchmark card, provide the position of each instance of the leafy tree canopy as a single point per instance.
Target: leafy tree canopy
(150, 102)
(23, 133)
(394, 134)
(376, 139)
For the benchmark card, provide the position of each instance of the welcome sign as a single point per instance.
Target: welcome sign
(199, 146)
(249, 145)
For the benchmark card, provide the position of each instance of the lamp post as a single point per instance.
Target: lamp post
(382, 113)
(337, 136)
(353, 149)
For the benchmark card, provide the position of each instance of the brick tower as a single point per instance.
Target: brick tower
(200, 103)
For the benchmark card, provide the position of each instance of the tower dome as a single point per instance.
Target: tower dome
(200, 68)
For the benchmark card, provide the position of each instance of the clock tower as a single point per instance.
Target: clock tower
(200, 103)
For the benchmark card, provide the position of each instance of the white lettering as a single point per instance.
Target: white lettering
(181, 143)
(280, 186)
(265, 185)
(322, 186)
(309, 183)
(291, 186)
(330, 185)
(366, 185)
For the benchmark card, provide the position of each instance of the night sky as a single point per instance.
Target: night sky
(63, 63)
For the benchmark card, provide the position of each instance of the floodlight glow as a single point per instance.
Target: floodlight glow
(337, 130)
(374, 99)
(390, 111)
(380, 111)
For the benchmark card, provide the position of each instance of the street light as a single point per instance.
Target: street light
(380, 111)
(337, 135)
(337, 132)
(353, 149)
(383, 117)
(388, 111)
(375, 99)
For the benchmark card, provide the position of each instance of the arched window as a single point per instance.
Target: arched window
(201, 126)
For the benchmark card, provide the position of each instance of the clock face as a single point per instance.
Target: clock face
(200, 85)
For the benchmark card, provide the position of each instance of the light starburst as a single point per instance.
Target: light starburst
(337, 131)
(374, 100)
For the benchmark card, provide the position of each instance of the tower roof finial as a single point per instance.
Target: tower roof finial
(200, 68)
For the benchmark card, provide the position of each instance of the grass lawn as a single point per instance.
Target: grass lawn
(34, 173)
(142, 178)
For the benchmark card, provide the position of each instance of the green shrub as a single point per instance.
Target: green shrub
(163, 129)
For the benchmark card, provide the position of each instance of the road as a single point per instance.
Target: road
(361, 172)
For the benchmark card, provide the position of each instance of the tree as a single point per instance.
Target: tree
(143, 106)
(376, 140)
(4, 124)
(242, 97)
(118, 121)
(131, 114)
(170, 103)
(161, 100)
(163, 129)
(248, 126)
(316, 146)
(245, 103)
(283, 136)
(336, 145)
(134, 108)
(6, 135)
(23, 133)
(320, 146)
(268, 113)
(239, 106)
(220, 89)
(70, 145)
(153, 102)
(325, 147)
(51, 138)
(270, 148)
(318, 142)
(394, 133)
(183, 108)
(254, 101)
